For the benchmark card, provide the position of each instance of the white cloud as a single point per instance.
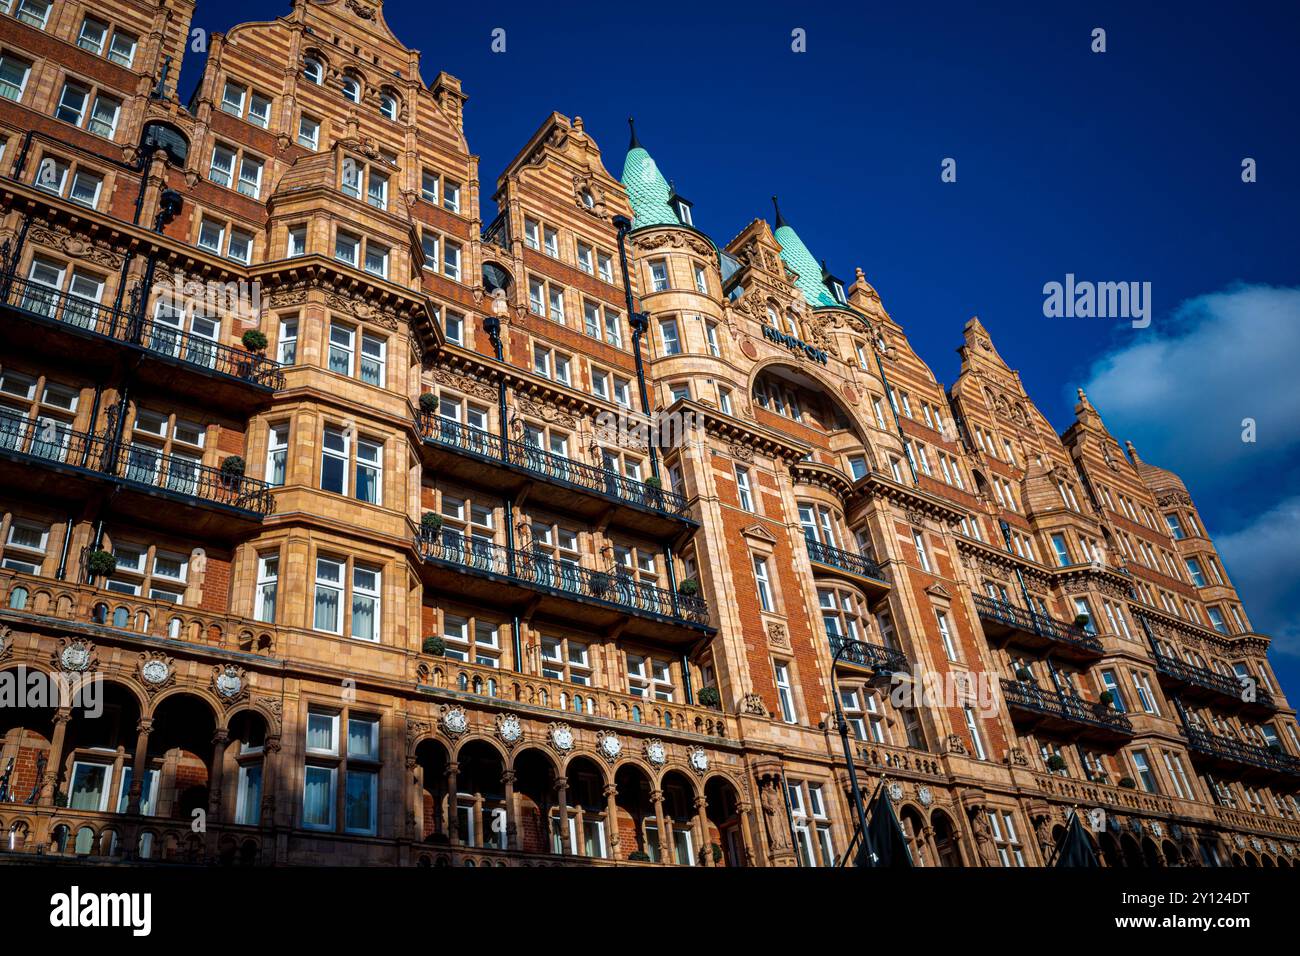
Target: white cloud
(1263, 559)
(1218, 359)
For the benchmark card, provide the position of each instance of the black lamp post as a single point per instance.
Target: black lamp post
(862, 651)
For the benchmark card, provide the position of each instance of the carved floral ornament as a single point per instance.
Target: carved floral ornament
(6, 641)
(675, 239)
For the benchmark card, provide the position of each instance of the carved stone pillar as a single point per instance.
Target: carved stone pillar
(139, 771)
(743, 811)
(51, 777)
(701, 824)
(512, 826)
(562, 803)
(219, 741)
(661, 834)
(270, 773)
(453, 818)
(611, 820)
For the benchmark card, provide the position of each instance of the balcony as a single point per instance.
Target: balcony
(1242, 759)
(856, 568)
(874, 657)
(1053, 712)
(587, 491)
(73, 465)
(598, 600)
(1036, 631)
(1201, 684)
(59, 324)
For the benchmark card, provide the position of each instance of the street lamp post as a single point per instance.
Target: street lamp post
(842, 725)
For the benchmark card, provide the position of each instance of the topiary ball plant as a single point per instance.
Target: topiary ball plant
(434, 645)
(1106, 698)
(639, 856)
(254, 340)
(690, 587)
(430, 523)
(1055, 763)
(1023, 674)
(232, 465)
(101, 564)
(428, 402)
(709, 697)
(1128, 783)
(1081, 620)
(654, 481)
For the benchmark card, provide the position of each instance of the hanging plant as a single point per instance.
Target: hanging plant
(434, 646)
(101, 564)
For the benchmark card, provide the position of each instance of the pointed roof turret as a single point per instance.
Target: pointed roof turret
(647, 190)
(798, 258)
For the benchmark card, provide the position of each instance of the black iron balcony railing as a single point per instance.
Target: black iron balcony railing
(862, 654)
(1238, 751)
(551, 466)
(1021, 619)
(859, 564)
(1210, 680)
(50, 441)
(1067, 706)
(129, 325)
(561, 577)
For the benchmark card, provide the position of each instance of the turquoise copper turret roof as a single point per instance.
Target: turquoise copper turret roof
(798, 258)
(646, 187)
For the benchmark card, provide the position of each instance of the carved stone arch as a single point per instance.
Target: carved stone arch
(192, 690)
(591, 758)
(635, 761)
(741, 793)
(832, 390)
(455, 747)
(273, 722)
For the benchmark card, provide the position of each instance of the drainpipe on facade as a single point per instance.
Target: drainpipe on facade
(492, 326)
(911, 466)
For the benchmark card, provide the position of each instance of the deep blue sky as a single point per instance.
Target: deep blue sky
(1117, 166)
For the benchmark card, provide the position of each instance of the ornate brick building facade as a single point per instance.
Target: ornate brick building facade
(370, 573)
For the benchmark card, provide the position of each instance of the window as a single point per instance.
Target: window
(92, 36)
(365, 603)
(668, 333)
(334, 461)
(743, 491)
(711, 338)
(376, 259)
(369, 478)
(13, 76)
(1142, 684)
(451, 260)
(451, 195)
(453, 325)
(1144, 772)
(658, 275)
(605, 265)
(945, 635)
(918, 539)
(346, 248)
(288, 345)
(1178, 775)
(1062, 550)
(351, 89)
(312, 70)
(701, 280)
(388, 106)
(297, 241)
(25, 547)
(763, 584)
(329, 593)
(1194, 571)
(1111, 683)
(586, 258)
(268, 575)
(308, 132)
(649, 677)
(784, 694)
(34, 13)
(972, 726)
(1005, 839)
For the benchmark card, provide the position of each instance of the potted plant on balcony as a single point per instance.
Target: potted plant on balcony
(1081, 621)
(1056, 763)
(709, 697)
(428, 403)
(434, 646)
(232, 472)
(601, 584)
(654, 486)
(1106, 698)
(638, 856)
(688, 588)
(101, 564)
(254, 340)
(1024, 675)
(1128, 783)
(430, 524)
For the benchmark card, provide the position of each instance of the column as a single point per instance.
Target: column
(746, 838)
(512, 828)
(701, 825)
(51, 777)
(139, 769)
(562, 802)
(219, 740)
(453, 818)
(414, 797)
(270, 769)
(611, 820)
(657, 798)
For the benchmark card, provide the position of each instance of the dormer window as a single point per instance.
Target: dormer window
(682, 208)
(837, 290)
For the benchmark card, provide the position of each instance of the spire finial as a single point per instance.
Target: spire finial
(1132, 452)
(635, 143)
(780, 220)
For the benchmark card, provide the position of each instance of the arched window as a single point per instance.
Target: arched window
(636, 713)
(18, 598)
(351, 89)
(312, 71)
(121, 617)
(388, 105)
